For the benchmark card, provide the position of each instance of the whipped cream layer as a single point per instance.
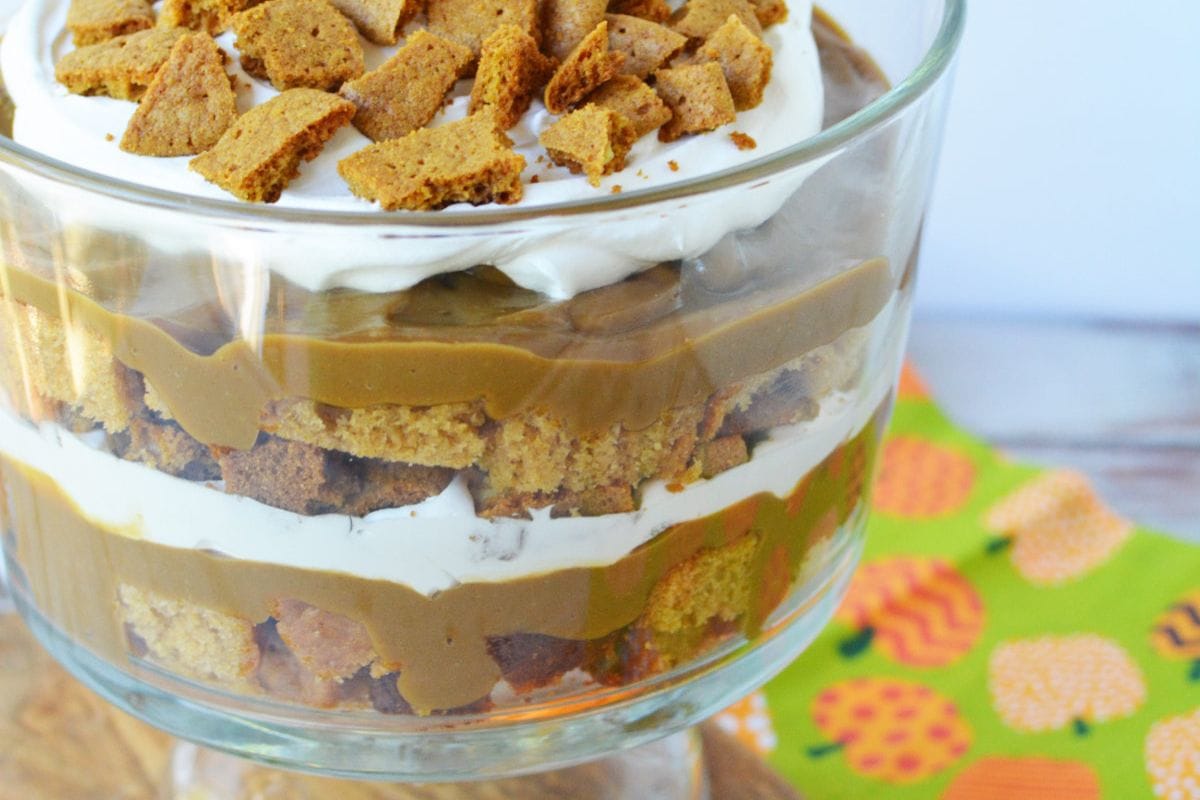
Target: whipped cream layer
(559, 256)
(429, 546)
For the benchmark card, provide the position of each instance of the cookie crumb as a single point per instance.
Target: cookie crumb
(108, 137)
(699, 99)
(261, 152)
(673, 166)
(469, 22)
(188, 105)
(770, 12)
(408, 89)
(589, 65)
(566, 22)
(698, 18)
(380, 21)
(465, 161)
(535, 179)
(298, 43)
(210, 16)
(593, 140)
(743, 141)
(616, 189)
(92, 21)
(744, 58)
(121, 67)
(646, 45)
(634, 100)
(511, 70)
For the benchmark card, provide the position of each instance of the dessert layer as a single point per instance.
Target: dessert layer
(73, 128)
(430, 546)
(444, 648)
(560, 257)
(655, 342)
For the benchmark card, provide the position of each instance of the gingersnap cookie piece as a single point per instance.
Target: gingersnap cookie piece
(653, 10)
(188, 105)
(698, 18)
(210, 16)
(511, 70)
(593, 140)
(298, 43)
(744, 58)
(698, 96)
(633, 99)
(589, 65)
(646, 45)
(122, 67)
(469, 22)
(408, 89)
(770, 12)
(92, 21)
(256, 157)
(379, 20)
(467, 161)
(566, 22)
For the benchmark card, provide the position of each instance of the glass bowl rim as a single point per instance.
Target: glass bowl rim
(916, 84)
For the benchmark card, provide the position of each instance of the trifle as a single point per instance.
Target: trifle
(375, 372)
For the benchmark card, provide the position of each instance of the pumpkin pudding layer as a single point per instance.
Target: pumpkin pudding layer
(450, 496)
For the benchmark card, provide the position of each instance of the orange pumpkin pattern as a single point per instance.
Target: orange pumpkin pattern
(918, 611)
(1176, 633)
(1057, 528)
(1051, 682)
(892, 730)
(749, 721)
(1173, 757)
(996, 778)
(922, 480)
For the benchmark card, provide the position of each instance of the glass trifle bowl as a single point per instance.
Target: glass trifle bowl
(466, 493)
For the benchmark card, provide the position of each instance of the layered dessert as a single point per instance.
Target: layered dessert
(472, 469)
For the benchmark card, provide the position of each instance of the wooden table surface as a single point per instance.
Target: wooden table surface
(1119, 401)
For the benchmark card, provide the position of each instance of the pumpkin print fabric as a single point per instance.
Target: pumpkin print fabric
(1007, 635)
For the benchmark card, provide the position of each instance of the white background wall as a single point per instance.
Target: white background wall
(1070, 181)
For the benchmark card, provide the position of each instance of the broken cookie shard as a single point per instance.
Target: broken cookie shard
(593, 140)
(188, 105)
(261, 152)
(122, 67)
(467, 161)
(511, 70)
(589, 65)
(298, 43)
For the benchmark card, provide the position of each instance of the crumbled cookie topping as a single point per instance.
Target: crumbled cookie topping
(612, 70)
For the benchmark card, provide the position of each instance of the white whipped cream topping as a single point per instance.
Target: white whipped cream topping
(560, 259)
(430, 546)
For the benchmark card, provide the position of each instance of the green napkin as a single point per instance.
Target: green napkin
(1006, 636)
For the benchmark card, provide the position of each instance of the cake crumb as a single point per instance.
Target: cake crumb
(616, 189)
(673, 165)
(633, 99)
(261, 152)
(465, 161)
(645, 44)
(298, 43)
(743, 141)
(121, 67)
(380, 21)
(589, 65)
(108, 137)
(566, 22)
(699, 18)
(593, 140)
(699, 99)
(187, 106)
(92, 21)
(469, 22)
(407, 90)
(744, 58)
(511, 70)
